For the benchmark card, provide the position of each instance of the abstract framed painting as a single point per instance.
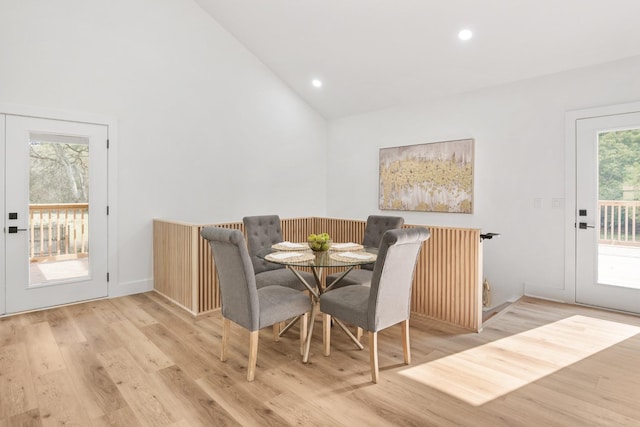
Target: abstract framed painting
(431, 177)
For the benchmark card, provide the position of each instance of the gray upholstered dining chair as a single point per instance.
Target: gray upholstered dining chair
(262, 232)
(376, 226)
(387, 301)
(242, 302)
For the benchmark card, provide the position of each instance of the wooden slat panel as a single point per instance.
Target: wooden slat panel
(447, 278)
(297, 229)
(447, 281)
(172, 262)
(207, 283)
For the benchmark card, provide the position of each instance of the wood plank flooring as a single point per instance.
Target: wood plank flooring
(140, 361)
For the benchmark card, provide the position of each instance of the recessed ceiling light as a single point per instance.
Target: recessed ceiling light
(465, 34)
(316, 83)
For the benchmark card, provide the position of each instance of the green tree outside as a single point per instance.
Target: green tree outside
(619, 164)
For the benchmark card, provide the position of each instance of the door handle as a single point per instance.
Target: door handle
(13, 229)
(584, 226)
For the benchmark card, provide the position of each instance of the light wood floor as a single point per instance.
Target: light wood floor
(138, 360)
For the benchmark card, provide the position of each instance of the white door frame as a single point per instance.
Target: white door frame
(3, 301)
(568, 294)
(112, 220)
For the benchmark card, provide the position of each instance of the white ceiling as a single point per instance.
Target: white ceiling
(374, 54)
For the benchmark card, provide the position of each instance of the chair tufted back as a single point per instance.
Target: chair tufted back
(238, 291)
(376, 226)
(390, 295)
(262, 232)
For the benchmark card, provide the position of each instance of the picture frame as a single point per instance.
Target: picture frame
(429, 177)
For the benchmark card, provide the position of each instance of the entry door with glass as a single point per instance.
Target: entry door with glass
(55, 212)
(608, 211)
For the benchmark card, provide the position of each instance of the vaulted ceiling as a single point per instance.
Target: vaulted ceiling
(375, 54)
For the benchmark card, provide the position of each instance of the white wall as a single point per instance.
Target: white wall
(206, 133)
(519, 132)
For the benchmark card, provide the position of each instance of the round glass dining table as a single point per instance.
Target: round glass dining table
(317, 261)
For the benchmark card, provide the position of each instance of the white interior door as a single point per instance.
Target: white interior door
(55, 212)
(608, 211)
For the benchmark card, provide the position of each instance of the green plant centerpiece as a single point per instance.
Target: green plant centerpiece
(319, 242)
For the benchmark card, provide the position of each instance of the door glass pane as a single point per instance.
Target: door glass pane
(619, 206)
(58, 208)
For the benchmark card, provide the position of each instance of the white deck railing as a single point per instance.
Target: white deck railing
(58, 231)
(619, 222)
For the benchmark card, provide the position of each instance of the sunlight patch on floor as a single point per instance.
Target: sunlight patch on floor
(484, 373)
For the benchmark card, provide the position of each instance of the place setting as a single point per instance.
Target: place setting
(349, 252)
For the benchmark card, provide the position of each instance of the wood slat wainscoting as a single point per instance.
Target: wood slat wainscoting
(447, 283)
(174, 250)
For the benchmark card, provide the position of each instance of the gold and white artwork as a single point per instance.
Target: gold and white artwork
(434, 177)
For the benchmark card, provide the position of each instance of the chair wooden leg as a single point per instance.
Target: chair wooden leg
(303, 331)
(253, 355)
(276, 331)
(359, 333)
(373, 355)
(326, 333)
(226, 330)
(406, 346)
